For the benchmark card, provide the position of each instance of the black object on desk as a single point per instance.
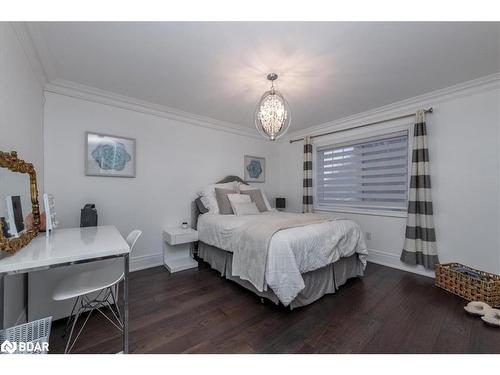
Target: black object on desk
(280, 203)
(88, 216)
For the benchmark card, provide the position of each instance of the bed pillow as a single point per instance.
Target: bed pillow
(210, 203)
(208, 198)
(257, 197)
(248, 208)
(238, 198)
(241, 188)
(223, 201)
(201, 207)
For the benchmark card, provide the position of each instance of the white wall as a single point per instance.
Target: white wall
(465, 166)
(174, 160)
(21, 108)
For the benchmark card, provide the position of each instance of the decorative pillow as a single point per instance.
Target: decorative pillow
(238, 198)
(208, 196)
(241, 188)
(201, 207)
(223, 201)
(211, 204)
(256, 197)
(248, 208)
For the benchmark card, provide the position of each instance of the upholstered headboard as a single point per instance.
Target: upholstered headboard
(195, 206)
(231, 179)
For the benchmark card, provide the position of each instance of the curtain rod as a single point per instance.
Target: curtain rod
(430, 110)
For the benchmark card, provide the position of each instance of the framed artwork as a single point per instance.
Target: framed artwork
(255, 169)
(109, 156)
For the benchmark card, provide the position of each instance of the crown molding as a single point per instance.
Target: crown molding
(38, 54)
(41, 47)
(432, 98)
(92, 94)
(25, 39)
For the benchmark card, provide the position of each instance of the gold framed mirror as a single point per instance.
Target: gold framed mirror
(19, 207)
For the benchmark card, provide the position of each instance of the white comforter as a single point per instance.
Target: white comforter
(292, 251)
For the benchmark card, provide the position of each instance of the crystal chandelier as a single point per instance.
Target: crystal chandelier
(272, 116)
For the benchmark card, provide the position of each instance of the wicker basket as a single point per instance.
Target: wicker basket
(468, 283)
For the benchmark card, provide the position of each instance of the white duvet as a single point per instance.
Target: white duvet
(292, 251)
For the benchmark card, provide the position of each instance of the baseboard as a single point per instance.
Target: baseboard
(393, 261)
(145, 261)
(375, 256)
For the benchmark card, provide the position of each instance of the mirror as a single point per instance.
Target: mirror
(15, 202)
(19, 209)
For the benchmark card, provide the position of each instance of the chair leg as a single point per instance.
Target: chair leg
(102, 299)
(71, 316)
(105, 303)
(77, 315)
(79, 333)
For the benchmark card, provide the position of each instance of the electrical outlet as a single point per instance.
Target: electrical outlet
(368, 236)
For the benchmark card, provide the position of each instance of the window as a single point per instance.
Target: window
(364, 174)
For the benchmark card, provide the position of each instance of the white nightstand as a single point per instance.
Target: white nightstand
(177, 248)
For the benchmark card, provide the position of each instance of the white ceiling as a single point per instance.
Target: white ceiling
(327, 70)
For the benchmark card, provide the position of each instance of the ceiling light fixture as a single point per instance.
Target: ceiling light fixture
(272, 116)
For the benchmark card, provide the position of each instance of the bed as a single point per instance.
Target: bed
(289, 259)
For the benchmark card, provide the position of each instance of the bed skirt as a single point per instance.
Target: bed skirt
(319, 282)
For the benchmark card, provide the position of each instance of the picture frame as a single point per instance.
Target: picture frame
(109, 155)
(254, 168)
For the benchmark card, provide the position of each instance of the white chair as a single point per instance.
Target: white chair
(104, 281)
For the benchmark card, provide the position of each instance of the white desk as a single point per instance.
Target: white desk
(65, 247)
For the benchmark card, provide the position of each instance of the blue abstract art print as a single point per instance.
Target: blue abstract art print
(255, 169)
(108, 155)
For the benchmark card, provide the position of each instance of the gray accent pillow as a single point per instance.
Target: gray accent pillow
(257, 198)
(201, 206)
(223, 201)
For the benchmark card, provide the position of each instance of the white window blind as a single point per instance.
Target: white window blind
(370, 174)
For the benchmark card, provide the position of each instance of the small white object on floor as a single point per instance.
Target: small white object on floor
(477, 308)
(492, 317)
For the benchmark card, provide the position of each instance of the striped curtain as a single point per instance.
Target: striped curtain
(420, 242)
(307, 196)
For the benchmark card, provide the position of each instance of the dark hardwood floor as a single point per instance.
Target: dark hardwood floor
(197, 311)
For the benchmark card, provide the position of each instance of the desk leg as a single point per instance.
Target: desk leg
(27, 295)
(2, 302)
(125, 303)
